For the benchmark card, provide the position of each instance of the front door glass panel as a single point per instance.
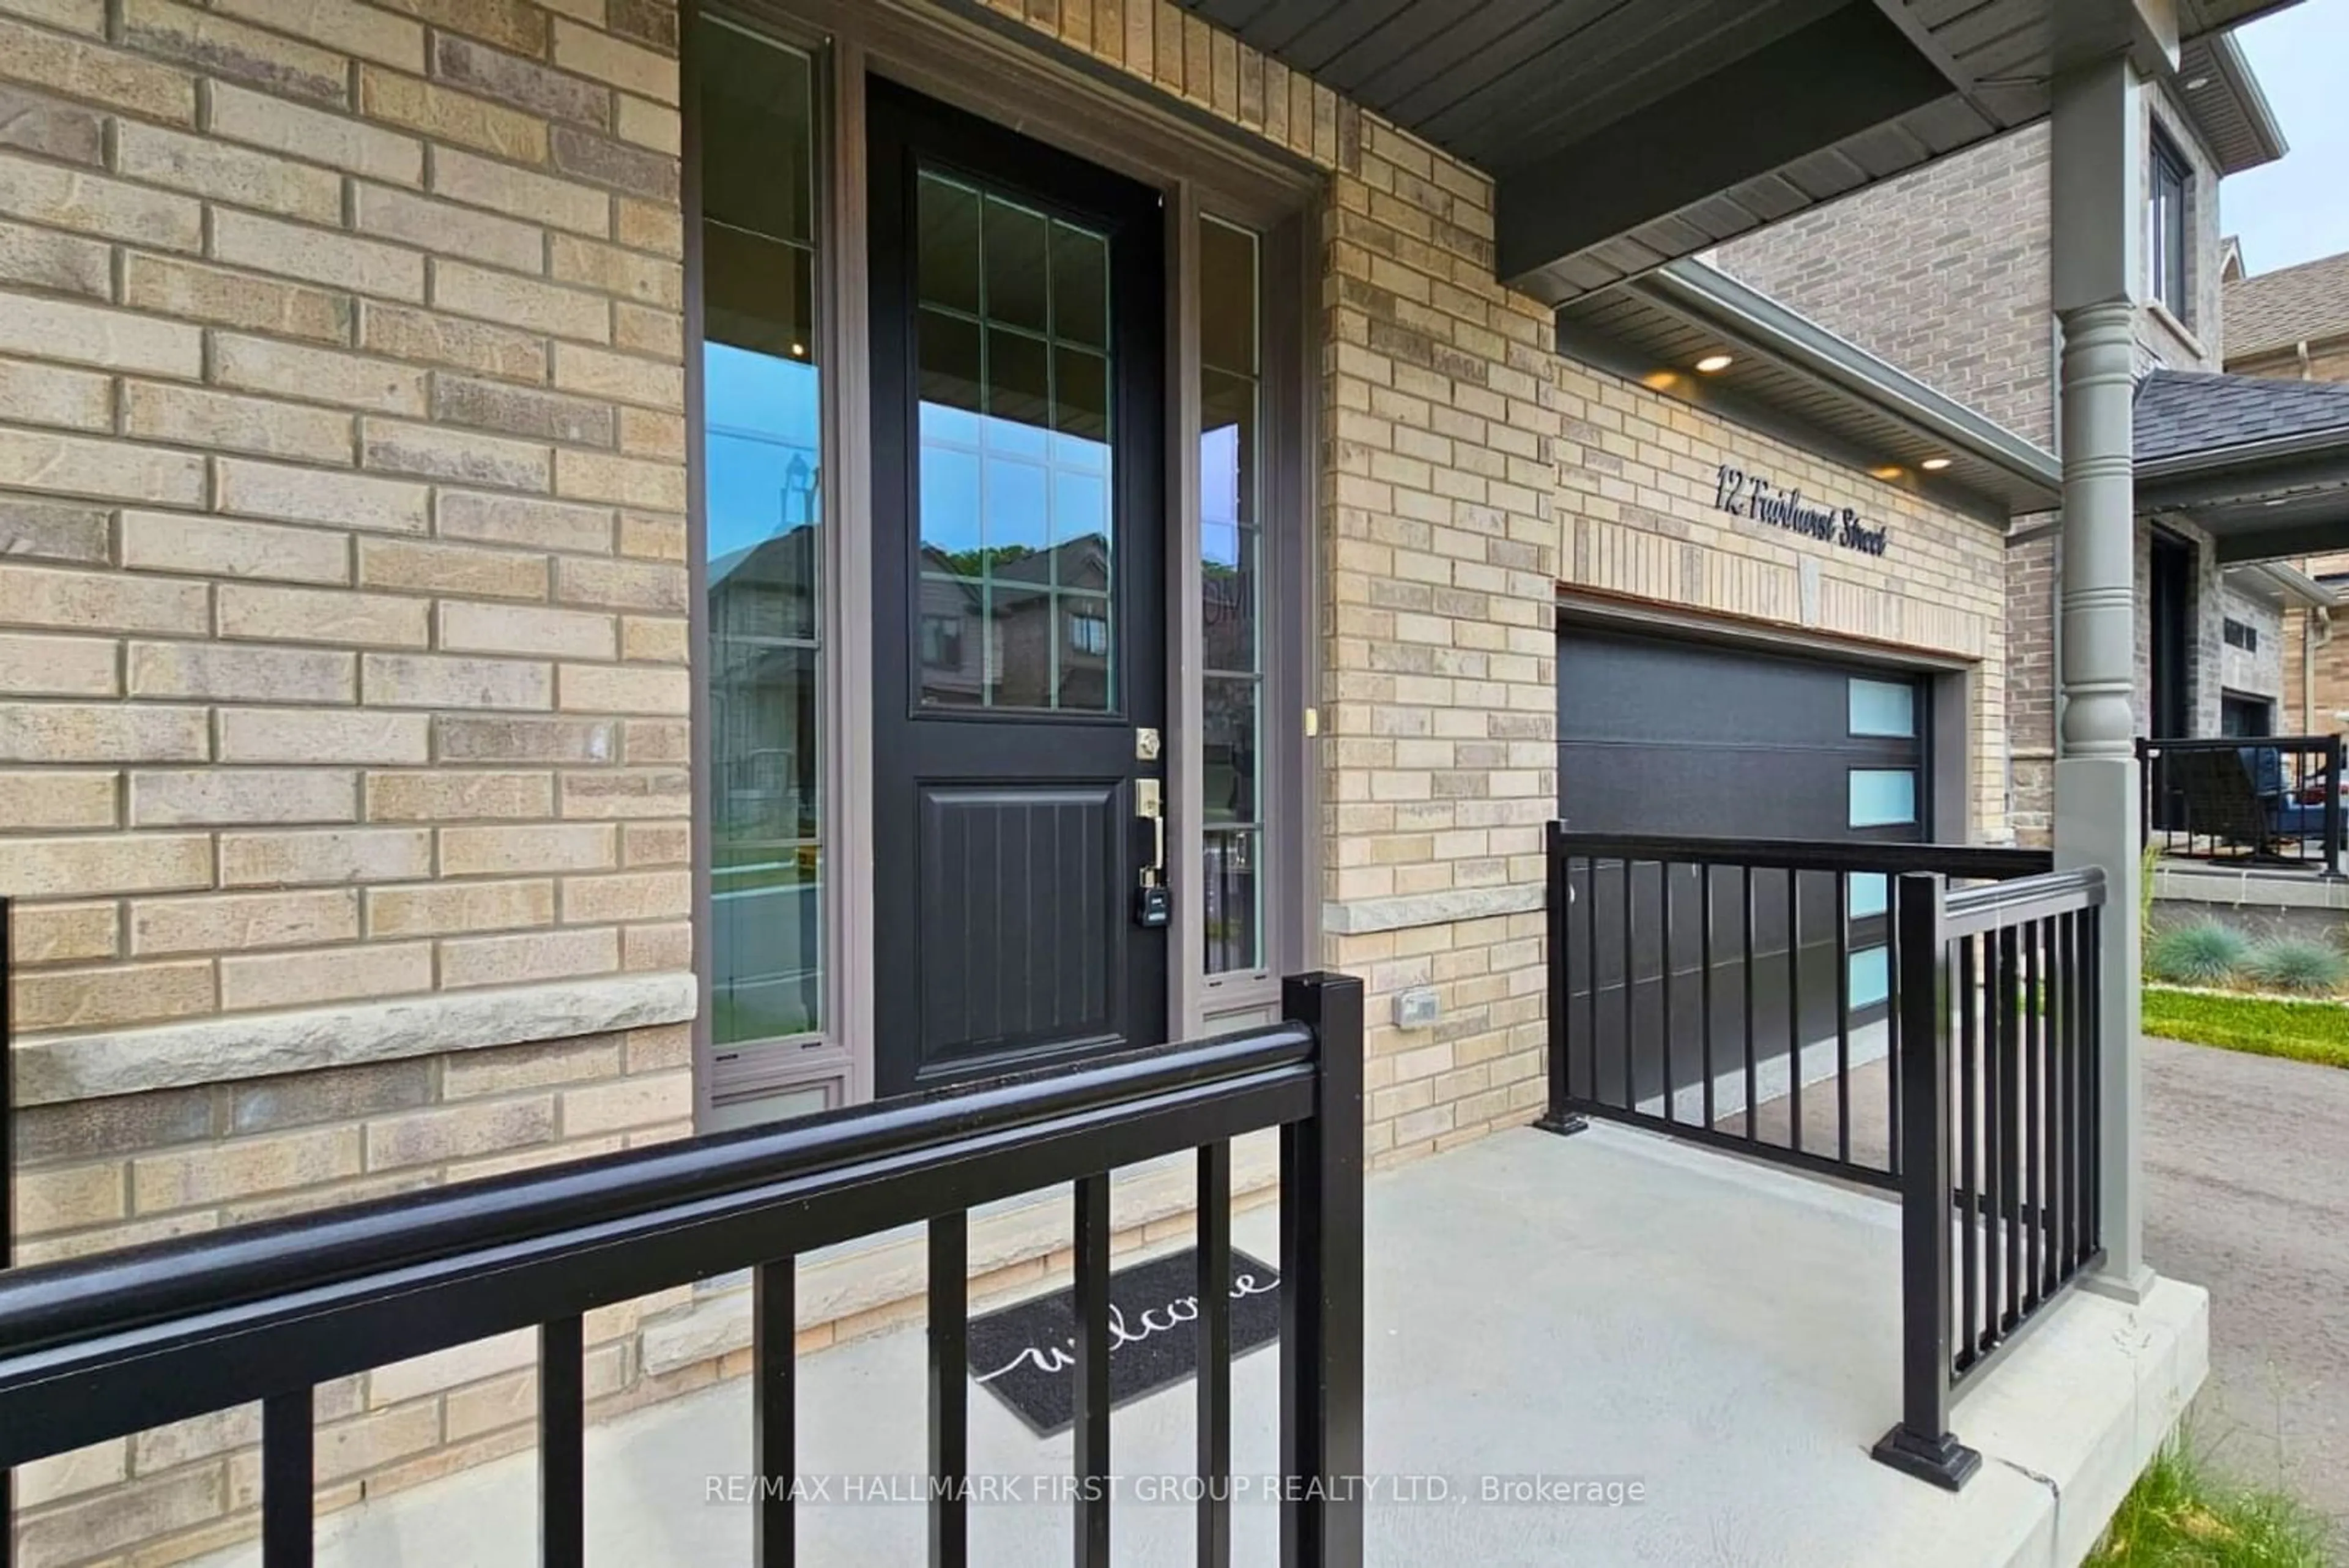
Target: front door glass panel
(1017, 590)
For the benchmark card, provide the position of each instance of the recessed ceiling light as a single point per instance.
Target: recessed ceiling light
(1934, 464)
(799, 351)
(1713, 364)
(2196, 84)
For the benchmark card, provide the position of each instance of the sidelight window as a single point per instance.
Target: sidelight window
(763, 500)
(1231, 490)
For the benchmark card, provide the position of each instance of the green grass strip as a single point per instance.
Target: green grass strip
(2180, 1515)
(2265, 1026)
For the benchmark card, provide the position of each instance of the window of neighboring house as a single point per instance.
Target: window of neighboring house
(762, 455)
(2166, 264)
(2242, 635)
(1089, 634)
(942, 641)
(1231, 541)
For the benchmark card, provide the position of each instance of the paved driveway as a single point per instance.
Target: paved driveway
(2247, 1165)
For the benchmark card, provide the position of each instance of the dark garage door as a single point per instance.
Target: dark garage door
(1705, 740)
(1657, 736)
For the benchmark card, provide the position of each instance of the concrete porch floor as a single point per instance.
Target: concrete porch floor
(1610, 1306)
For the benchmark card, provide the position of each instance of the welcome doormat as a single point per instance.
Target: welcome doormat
(1025, 1355)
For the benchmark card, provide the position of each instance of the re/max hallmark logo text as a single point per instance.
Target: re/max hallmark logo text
(1743, 494)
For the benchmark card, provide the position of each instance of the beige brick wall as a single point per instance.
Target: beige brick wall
(341, 580)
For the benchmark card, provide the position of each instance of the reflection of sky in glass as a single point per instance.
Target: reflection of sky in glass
(979, 491)
(761, 417)
(1219, 496)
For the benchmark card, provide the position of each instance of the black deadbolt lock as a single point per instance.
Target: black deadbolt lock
(1153, 906)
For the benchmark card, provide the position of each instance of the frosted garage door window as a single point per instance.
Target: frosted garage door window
(1883, 797)
(1883, 708)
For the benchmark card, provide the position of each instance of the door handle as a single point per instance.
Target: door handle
(1150, 803)
(1154, 901)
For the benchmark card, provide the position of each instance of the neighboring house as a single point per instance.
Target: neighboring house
(1946, 273)
(578, 575)
(2292, 324)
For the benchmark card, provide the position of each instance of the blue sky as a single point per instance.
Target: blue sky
(2297, 209)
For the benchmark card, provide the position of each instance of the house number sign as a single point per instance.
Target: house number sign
(1743, 494)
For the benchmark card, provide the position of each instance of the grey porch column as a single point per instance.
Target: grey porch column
(2096, 219)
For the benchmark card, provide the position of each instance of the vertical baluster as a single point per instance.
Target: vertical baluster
(1092, 1403)
(774, 1409)
(1999, 1017)
(1843, 1014)
(1794, 1009)
(1704, 992)
(2009, 1138)
(2034, 1063)
(2061, 1101)
(1894, 1024)
(1590, 932)
(1561, 981)
(2092, 1122)
(287, 1467)
(1631, 1015)
(950, 1387)
(1665, 913)
(1969, 1115)
(1215, 1415)
(562, 1444)
(1753, 1075)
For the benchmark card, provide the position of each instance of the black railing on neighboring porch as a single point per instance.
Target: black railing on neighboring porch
(2267, 800)
(102, 1347)
(2000, 1201)
(1839, 1008)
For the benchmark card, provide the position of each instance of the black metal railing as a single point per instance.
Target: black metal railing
(101, 1347)
(1738, 993)
(2269, 799)
(1999, 1106)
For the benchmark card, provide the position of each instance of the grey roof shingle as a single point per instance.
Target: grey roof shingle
(2277, 309)
(2180, 411)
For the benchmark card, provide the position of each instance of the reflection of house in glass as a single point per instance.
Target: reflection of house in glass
(765, 822)
(1017, 628)
(763, 673)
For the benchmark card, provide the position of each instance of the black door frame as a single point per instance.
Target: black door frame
(905, 132)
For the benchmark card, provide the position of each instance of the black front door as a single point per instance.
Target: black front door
(1018, 626)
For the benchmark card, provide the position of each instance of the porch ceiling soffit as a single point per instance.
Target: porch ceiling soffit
(1793, 379)
(1625, 133)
